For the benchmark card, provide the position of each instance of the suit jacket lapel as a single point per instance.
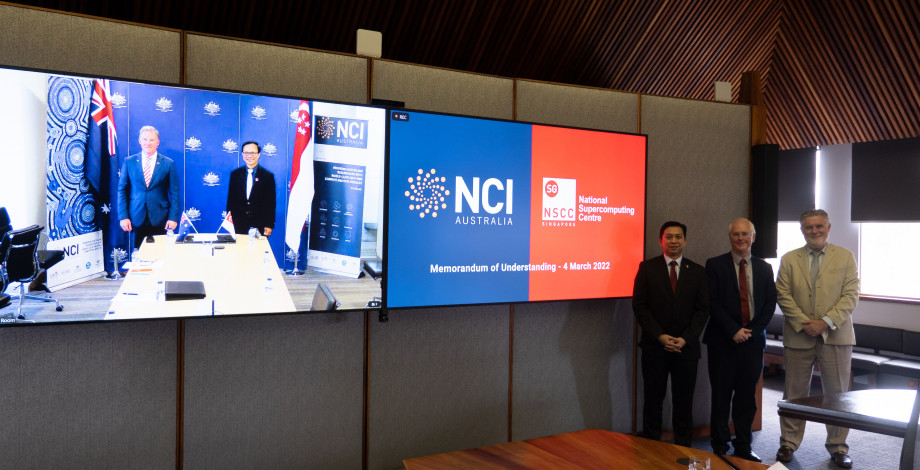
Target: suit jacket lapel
(156, 170)
(665, 273)
(802, 261)
(256, 178)
(139, 168)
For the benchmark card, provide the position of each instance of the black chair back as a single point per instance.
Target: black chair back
(5, 225)
(21, 247)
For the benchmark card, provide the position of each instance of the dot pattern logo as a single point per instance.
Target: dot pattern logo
(427, 193)
(325, 128)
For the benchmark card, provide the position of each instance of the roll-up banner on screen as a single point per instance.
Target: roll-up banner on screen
(484, 211)
(347, 141)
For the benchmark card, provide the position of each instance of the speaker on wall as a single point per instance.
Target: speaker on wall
(765, 192)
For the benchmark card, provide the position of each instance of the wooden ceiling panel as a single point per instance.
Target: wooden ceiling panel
(832, 71)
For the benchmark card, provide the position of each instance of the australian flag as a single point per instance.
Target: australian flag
(185, 227)
(102, 175)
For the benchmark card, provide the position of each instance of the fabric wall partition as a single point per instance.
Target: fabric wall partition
(289, 391)
(699, 174)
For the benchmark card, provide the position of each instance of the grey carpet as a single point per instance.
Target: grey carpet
(868, 450)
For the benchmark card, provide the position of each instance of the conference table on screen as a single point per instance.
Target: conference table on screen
(882, 411)
(587, 449)
(234, 275)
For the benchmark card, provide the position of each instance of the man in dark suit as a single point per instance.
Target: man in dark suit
(148, 190)
(251, 194)
(671, 305)
(742, 299)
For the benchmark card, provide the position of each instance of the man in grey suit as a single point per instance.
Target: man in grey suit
(148, 190)
(817, 289)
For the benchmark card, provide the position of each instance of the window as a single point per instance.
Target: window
(884, 270)
(788, 238)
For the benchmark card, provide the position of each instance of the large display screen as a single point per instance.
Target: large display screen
(485, 211)
(72, 165)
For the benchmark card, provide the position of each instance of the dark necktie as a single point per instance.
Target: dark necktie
(673, 276)
(743, 290)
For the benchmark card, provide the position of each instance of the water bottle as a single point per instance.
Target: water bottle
(268, 285)
(170, 236)
(134, 256)
(161, 291)
(266, 258)
(253, 234)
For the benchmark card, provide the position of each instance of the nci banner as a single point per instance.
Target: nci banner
(348, 141)
(484, 211)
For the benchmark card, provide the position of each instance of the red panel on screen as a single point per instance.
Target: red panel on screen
(587, 212)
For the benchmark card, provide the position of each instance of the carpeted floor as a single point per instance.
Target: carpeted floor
(868, 450)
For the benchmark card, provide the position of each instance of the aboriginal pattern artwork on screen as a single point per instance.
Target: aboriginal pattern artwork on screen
(70, 205)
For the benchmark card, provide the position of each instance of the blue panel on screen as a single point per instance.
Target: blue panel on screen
(339, 210)
(212, 140)
(459, 198)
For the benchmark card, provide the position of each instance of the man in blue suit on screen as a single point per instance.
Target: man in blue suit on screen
(148, 190)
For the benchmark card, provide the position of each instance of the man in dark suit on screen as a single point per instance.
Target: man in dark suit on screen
(742, 299)
(671, 305)
(251, 194)
(148, 190)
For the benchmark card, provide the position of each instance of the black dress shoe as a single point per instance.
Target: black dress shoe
(784, 454)
(842, 460)
(719, 448)
(749, 455)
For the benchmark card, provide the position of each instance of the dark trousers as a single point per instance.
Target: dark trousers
(656, 368)
(304, 250)
(146, 228)
(733, 375)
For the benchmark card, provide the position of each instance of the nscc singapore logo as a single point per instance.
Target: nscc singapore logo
(559, 200)
(427, 193)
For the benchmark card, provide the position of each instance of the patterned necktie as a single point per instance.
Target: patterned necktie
(743, 291)
(249, 183)
(673, 276)
(148, 170)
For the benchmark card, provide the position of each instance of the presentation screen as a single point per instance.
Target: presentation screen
(304, 221)
(486, 211)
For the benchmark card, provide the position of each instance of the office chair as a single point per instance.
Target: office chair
(5, 227)
(910, 459)
(323, 299)
(22, 264)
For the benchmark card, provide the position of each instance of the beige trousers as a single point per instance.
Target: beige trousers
(834, 364)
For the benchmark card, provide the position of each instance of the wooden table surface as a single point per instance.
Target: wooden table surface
(883, 411)
(587, 449)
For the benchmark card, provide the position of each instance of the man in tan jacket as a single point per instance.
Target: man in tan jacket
(817, 289)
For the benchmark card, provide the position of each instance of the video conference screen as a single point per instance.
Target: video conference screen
(72, 165)
(485, 211)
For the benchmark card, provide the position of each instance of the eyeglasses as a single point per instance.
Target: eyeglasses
(250, 153)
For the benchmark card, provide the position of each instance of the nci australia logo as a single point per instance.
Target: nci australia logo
(479, 201)
(343, 132)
